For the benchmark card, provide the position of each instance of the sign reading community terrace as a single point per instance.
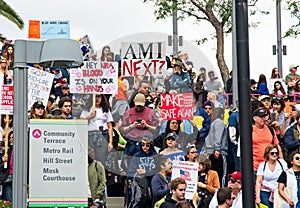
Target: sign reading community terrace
(177, 106)
(95, 77)
(58, 163)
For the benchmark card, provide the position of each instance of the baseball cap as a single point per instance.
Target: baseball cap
(236, 175)
(172, 135)
(177, 62)
(38, 104)
(259, 112)
(139, 99)
(264, 97)
(294, 66)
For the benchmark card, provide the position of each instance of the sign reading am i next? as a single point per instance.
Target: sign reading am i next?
(58, 163)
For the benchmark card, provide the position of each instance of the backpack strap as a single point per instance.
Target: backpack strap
(272, 132)
(264, 166)
(280, 164)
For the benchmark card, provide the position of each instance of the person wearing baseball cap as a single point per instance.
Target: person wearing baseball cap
(292, 78)
(180, 80)
(38, 111)
(137, 121)
(171, 150)
(235, 183)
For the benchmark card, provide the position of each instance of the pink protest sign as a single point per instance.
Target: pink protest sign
(95, 77)
(7, 101)
(177, 106)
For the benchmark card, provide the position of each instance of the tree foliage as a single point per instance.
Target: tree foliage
(217, 12)
(7, 12)
(294, 7)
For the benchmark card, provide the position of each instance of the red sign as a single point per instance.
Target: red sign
(177, 106)
(7, 100)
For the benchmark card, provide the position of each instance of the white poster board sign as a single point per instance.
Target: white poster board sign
(144, 59)
(95, 77)
(271, 84)
(58, 163)
(189, 172)
(39, 86)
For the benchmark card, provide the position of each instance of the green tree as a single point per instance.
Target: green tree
(217, 12)
(7, 12)
(294, 7)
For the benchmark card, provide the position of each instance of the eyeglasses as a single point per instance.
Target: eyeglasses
(296, 158)
(145, 144)
(263, 116)
(233, 180)
(181, 189)
(274, 153)
(171, 138)
(3, 62)
(277, 98)
(207, 108)
(232, 198)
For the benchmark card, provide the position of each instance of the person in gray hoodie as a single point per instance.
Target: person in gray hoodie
(216, 141)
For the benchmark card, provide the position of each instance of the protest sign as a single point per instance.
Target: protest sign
(272, 82)
(7, 100)
(95, 77)
(86, 47)
(177, 106)
(39, 86)
(51, 29)
(34, 30)
(58, 163)
(146, 59)
(189, 172)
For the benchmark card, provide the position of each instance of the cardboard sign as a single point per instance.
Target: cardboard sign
(34, 30)
(58, 163)
(143, 59)
(7, 100)
(189, 172)
(39, 86)
(95, 77)
(177, 106)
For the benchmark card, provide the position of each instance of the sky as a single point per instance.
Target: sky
(106, 21)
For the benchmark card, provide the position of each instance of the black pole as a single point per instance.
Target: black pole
(242, 41)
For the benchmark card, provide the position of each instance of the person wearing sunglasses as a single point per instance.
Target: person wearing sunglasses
(225, 197)
(262, 136)
(267, 175)
(290, 179)
(235, 183)
(141, 169)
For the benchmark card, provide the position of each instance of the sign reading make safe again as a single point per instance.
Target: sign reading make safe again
(58, 163)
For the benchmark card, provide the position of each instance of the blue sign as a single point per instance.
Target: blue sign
(51, 29)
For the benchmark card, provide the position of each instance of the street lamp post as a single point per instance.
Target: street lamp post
(63, 53)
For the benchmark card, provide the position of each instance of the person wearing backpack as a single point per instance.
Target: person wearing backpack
(140, 172)
(268, 173)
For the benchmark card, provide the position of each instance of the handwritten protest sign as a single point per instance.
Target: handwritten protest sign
(147, 59)
(55, 29)
(34, 30)
(7, 100)
(177, 106)
(95, 77)
(189, 172)
(39, 86)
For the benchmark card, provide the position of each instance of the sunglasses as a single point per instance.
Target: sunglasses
(3, 62)
(233, 198)
(145, 144)
(207, 108)
(193, 152)
(171, 138)
(181, 189)
(233, 180)
(277, 98)
(263, 116)
(296, 158)
(274, 153)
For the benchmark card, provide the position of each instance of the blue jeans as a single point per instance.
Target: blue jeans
(264, 198)
(7, 191)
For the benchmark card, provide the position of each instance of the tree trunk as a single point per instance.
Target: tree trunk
(220, 54)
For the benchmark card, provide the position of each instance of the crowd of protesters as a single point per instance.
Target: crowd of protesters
(133, 148)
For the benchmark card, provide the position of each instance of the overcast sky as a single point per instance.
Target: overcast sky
(106, 21)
